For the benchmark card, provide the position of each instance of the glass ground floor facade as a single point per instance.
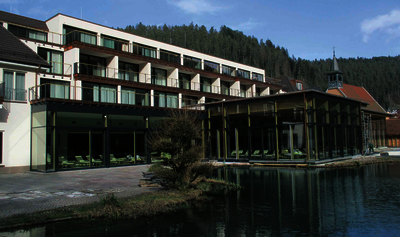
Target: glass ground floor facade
(297, 127)
(65, 137)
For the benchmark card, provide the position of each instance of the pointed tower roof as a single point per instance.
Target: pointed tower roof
(335, 65)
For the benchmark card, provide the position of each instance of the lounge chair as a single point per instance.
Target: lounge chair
(256, 153)
(81, 161)
(64, 163)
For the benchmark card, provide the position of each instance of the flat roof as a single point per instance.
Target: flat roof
(61, 14)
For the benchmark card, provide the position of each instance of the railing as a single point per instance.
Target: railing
(59, 68)
(148, 51)
(123, 97)
(193, 63)
(80, 36)
(128, 75)
(234, 92)
(114, 43)
(11, 94)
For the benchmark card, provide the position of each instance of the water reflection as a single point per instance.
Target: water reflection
(277, 202)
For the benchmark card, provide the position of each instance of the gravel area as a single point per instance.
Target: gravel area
(30, 192)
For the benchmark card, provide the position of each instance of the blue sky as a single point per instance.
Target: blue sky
(308, 29)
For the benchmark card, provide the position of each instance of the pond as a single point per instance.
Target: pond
(274, 202)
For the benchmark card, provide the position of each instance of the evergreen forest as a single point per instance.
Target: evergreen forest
(379, 75)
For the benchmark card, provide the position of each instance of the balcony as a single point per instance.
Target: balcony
(123, 98)
(102, 74)
(57, 68)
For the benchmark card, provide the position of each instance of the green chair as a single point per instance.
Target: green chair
(256, 153)
(81, 161)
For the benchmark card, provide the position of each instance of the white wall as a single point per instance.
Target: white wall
(15, 125)
(55, 25)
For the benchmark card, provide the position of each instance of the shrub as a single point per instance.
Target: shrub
(179, 139)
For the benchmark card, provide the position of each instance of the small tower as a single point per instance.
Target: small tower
(335, 76)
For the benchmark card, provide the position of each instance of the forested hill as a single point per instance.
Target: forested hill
(380, 76)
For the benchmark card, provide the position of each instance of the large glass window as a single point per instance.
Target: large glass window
(144, 50)
(211, 67)
(258, 77)
(184, 81)
(14, 86)
(168, 100)
(99, 93)
(72, 34)
(243, 74)
(92, 65)
(128, 96)
(27, 33)
(114, 43)
(192, 62)
(122, 148)
(54, 58)
(128, 71)
(225, 88)
(38, 149)
(189, 100)
(226, 70)
(243, 91)
(54, 89)
(158, 77)
(205, 84)
(170, 56)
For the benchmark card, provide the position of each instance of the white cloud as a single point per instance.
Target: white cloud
(196, 6)
(389, 24)
(248, 25)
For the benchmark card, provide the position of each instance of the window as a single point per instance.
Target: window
(27, 33)
(184, 81)
(114, 43)
(169, 56)
(158, 77)
(54, 58)
(205, 84)
(99, 93)
(74, 34)
(134, 96)
(211, 67)
(299, 85)
(14, 84)
(189, 100)
(168, 100)
(54, 89)
(258, 77)
(127, 96)
(144, 50)
(226, 70)
(128, 71)
(192, 62)
(243, 74)
(225, 88)
(92, 66)
(243, 91)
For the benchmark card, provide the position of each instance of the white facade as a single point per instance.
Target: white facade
(15, 116)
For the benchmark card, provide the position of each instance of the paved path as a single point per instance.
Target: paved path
(31, 191)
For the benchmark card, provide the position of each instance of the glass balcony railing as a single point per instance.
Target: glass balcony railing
(129, 75)
(59, 68)
(134, 48)
(57, 92)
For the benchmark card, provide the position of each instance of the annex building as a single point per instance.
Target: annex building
(79, 95)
